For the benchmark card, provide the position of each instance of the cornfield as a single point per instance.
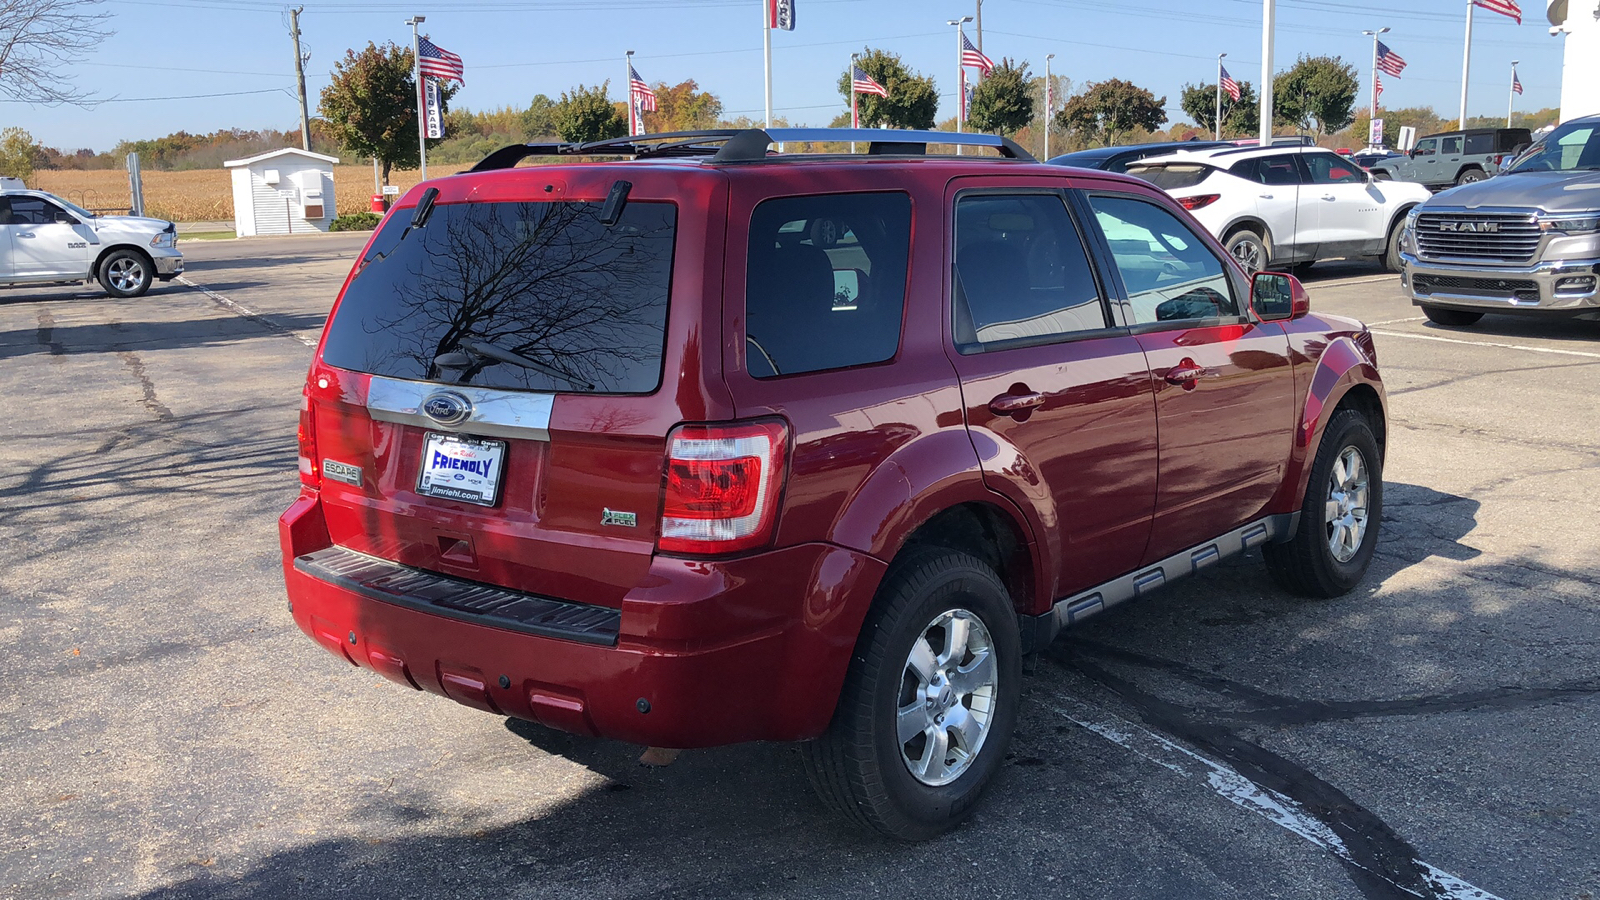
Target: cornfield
(201, 195)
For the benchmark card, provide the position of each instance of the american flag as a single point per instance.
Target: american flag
(1377, 87)
(1390, 61)
(434, 62)
(1503, 7)
(1516, 83)
(864, 84)
(972, 56)
(638, 92)
(1229, 85)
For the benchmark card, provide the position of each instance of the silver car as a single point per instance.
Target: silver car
(46, 240)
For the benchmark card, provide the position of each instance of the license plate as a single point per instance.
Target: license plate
(458, 468)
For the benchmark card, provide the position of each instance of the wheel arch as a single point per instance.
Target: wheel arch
(1399, 216)
(99, 260)
(1346, 377)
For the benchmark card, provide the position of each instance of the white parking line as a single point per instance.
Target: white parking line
(1228, 783)
(1396, 321)
(1445, 340)
(245, 311)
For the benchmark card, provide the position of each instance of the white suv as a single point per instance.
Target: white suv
(1287, 205)
(46, 240)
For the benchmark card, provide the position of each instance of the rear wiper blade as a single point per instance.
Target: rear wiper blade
(501, 354)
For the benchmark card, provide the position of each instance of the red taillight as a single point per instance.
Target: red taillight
(721, 487)
(1198, 201)
(310, 468)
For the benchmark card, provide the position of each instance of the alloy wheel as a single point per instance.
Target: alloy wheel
(1250, 254)
(1346, 506)
(126, 274)
(947, 697)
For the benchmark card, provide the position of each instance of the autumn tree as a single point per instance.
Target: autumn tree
(1105, 111)
(913, 99)
(683, 107)
(1318, 93)
(372, 105)
(1239, 117)
(1003, 102)
(39, 40)
(539, 121)
(587, 114)
(17, 151)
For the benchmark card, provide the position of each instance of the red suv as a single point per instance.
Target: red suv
(716, 444)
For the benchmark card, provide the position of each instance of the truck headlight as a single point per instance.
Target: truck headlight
(1571, 223)
(164, 239)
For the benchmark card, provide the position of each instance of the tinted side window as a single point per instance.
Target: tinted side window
(1480, 143)
(32, 211)
(827, 282)
(1450, 146)
(1268, 170)
(1021, 271)
(1170, 274)
(1327, 168)
(1426, 148)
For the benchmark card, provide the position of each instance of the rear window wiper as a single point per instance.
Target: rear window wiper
(501, 354)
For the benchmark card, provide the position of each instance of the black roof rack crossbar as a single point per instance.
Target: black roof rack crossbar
(724, 145)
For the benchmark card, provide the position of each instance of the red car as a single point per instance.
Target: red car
(718, 445)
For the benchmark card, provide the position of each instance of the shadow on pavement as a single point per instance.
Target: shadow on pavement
(49, 338)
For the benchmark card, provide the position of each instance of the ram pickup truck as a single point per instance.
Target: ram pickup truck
(46, 240)
(1526, 243)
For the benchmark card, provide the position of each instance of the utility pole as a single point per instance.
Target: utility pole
(300, 77)
(979, 26)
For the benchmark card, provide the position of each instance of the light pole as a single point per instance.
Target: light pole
(1375, 68)
(1219, 95)
(1511, 93)
(961, 78)
(422, 109)
(1269, 13)
(1466, 65)
(1049, 102)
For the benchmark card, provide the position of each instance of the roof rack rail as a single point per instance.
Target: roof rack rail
(730, 145)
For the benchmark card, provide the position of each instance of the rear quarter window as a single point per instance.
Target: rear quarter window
(585, 302)
(1171, 176)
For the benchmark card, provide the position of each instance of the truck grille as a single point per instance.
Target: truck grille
(1479, 237)
(1522, 290)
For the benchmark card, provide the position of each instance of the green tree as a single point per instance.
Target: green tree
(17, 152)
(1318, 93)
(1003, 102)
(1239, 117)
(683, 107)
(372, 105)
(913, 99)
(1104, 111)
(540, 119)
(586, 114)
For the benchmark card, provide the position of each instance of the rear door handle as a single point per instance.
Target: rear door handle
(1185, 373)
(1012, 404)
(1329, 197)
(26, 234)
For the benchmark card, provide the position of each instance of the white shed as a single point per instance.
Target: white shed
(287, 191)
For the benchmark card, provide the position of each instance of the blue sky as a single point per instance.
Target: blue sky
(518, 48)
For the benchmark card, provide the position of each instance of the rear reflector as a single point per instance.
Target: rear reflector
(1198, 201)
(721, 486)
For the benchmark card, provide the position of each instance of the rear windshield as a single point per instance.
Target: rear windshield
(522, 296)
(1172, 176)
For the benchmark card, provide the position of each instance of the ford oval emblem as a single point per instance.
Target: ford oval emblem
(447, 407)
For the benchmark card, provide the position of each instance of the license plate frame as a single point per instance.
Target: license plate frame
(464, 484)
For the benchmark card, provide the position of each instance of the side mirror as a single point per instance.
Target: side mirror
(1276, 296)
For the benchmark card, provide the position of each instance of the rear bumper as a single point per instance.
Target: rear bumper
(1554, 287)
(705, 652)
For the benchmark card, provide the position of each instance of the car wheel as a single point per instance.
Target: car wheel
(1332, 548)
(1469, 176)
(1454, 318)
(929, 702)
(1391, 253)
(1249, 249)
(1381, 175)
(125, 273)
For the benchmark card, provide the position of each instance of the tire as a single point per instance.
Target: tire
(1391, 252)
(1329, 554)
(860, 767)
(1249, 249)
(1453, 318)
(1302, 270)
(125, 273)
(1469, 176)
(1381, 175)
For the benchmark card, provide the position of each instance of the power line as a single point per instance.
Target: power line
(193, 96)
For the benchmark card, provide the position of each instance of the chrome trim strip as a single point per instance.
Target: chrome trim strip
(521, 415)
(1074, 609)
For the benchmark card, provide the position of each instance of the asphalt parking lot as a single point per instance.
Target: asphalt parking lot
(167, 732)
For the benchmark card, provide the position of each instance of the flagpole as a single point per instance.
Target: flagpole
(1219, 95)
(1511, 93)
(1466, 65)
(1269, 13)
(1375, 69)
(766, 49)
(855, 117)
(627, 90)
(1049, 105)
(961, 78)
(422, 108)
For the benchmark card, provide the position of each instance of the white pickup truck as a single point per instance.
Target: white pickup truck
(46, 240)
